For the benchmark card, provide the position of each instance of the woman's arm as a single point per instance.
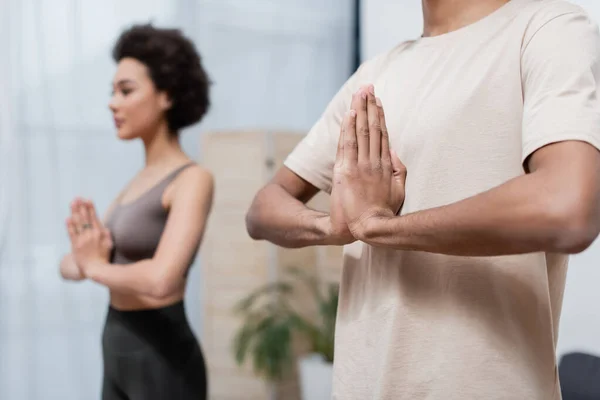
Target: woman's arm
(163, 274)
(69, 270)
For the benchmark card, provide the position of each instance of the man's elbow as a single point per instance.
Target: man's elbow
(252, 226)
(253, 220)
(577, 230)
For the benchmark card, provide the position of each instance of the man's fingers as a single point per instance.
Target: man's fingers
(374, 128)
(362, 124)
(339, 156)
(385, 138)
(350, 140)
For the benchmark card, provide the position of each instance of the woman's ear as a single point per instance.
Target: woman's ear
(165, 101)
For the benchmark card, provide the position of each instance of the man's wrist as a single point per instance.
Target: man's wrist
(375, 227)
(333, 237)
(325, 229)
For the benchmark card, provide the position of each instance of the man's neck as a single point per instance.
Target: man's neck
(443, 16)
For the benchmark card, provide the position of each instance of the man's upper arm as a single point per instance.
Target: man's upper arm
(560, 66)
(561, 116)
(313, 158)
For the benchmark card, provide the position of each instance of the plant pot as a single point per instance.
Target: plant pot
(316, 376)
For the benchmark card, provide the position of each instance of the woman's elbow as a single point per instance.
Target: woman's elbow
(69, 270)
(164, 287)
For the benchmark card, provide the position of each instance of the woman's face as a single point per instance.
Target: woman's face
(137, 107)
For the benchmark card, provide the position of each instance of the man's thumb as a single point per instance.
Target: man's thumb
(398, 167)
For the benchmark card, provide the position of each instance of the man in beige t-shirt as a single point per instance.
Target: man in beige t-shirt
(495, 114)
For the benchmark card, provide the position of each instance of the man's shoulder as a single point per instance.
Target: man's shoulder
(551, 8)
(375, 65)
(539, 13)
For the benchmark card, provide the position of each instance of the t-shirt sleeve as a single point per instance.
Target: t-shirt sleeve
(313, 158)
(560, 74)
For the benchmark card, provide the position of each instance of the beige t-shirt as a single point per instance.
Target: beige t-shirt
(464, 110)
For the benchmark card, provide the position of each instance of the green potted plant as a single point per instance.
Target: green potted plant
(270, 322)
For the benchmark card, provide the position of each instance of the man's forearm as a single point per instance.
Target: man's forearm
(281, 219)
(520, 216)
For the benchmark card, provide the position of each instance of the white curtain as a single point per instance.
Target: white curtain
(275, 65)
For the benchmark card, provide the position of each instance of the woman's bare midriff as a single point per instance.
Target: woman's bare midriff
(128, 302)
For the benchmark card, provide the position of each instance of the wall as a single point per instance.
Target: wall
(385, 23)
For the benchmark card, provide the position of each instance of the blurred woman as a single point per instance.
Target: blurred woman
(152, 231)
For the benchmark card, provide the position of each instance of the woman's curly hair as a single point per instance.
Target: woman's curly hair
(174, 66)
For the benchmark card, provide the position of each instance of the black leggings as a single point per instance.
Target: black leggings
(152, 355)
